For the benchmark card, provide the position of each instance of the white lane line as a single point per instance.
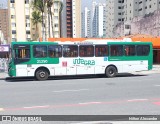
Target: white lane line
(45, 106)
(132, 100)
(61, 91)
(90, 103)
(157, 85)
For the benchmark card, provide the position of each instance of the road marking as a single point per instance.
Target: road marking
(134, 100)
(90, 103)
(1, 109)
(157, 85)
(45, 106)
(61, 91)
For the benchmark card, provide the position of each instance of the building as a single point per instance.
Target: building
(86, 23)
(123, 11)
(20, 21)
(71, 16)
(99, 21)
(4, 23)
(53, 26)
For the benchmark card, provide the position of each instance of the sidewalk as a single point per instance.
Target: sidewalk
(3, 75)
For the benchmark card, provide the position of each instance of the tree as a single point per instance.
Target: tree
(40, 5)
(36, 19)
(49, 6)
(60, 11)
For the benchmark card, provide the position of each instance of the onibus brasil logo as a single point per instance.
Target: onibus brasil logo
(83, 61)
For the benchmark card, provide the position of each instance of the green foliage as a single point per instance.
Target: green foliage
(36, 17)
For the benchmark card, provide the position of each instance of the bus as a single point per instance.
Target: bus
(109, 57)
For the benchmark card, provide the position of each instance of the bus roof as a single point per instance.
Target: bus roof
(85, 42)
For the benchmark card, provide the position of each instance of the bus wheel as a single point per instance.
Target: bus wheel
(111, 71)
(42, 74)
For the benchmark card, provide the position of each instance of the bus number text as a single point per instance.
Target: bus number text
(42, 61)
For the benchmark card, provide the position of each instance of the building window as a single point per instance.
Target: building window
(27, 24)
(27, 16)
(127, 27)
(26, 1)
(27, 32)
(12, 1)
(12, 16)
(140, 9)
(119, 1)
(13, 24)
(13, 31)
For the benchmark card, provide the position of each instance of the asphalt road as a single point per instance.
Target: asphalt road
(122, 95)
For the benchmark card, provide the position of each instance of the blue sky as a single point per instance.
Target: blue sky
(4, 2)
(88, 3)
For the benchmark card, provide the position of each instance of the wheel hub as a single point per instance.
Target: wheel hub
(42, 74)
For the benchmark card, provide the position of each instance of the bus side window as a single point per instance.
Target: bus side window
(55, 51)
(70, 51)
(101, 50)
(86, 51)
(40, 51)
(130, 50)
(143, 50)
(116, 50)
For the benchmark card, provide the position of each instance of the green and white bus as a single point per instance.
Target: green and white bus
(109, 57)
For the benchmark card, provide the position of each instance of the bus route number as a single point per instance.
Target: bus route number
(42, 61)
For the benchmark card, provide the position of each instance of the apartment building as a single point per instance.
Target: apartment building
(21, 27)
(71, 16)
(20, 20)
(86, 23)
(54, 31)
(99, 21)
(4, 23)
(123, 11)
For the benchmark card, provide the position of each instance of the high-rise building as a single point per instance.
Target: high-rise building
(54, 30)
(4, 23)
(99, 21)
(71, 19)
(86, 23)
(122, 11)
(20, 21)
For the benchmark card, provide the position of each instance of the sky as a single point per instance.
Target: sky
(4, 2)
(88, 3)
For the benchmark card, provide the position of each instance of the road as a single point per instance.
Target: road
(122, 95)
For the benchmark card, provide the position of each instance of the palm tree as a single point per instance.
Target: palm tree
(36, 19)
(39, 5)
(49, 6)
(60, 11)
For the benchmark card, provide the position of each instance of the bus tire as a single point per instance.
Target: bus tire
(42, 74)
(111, 71)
